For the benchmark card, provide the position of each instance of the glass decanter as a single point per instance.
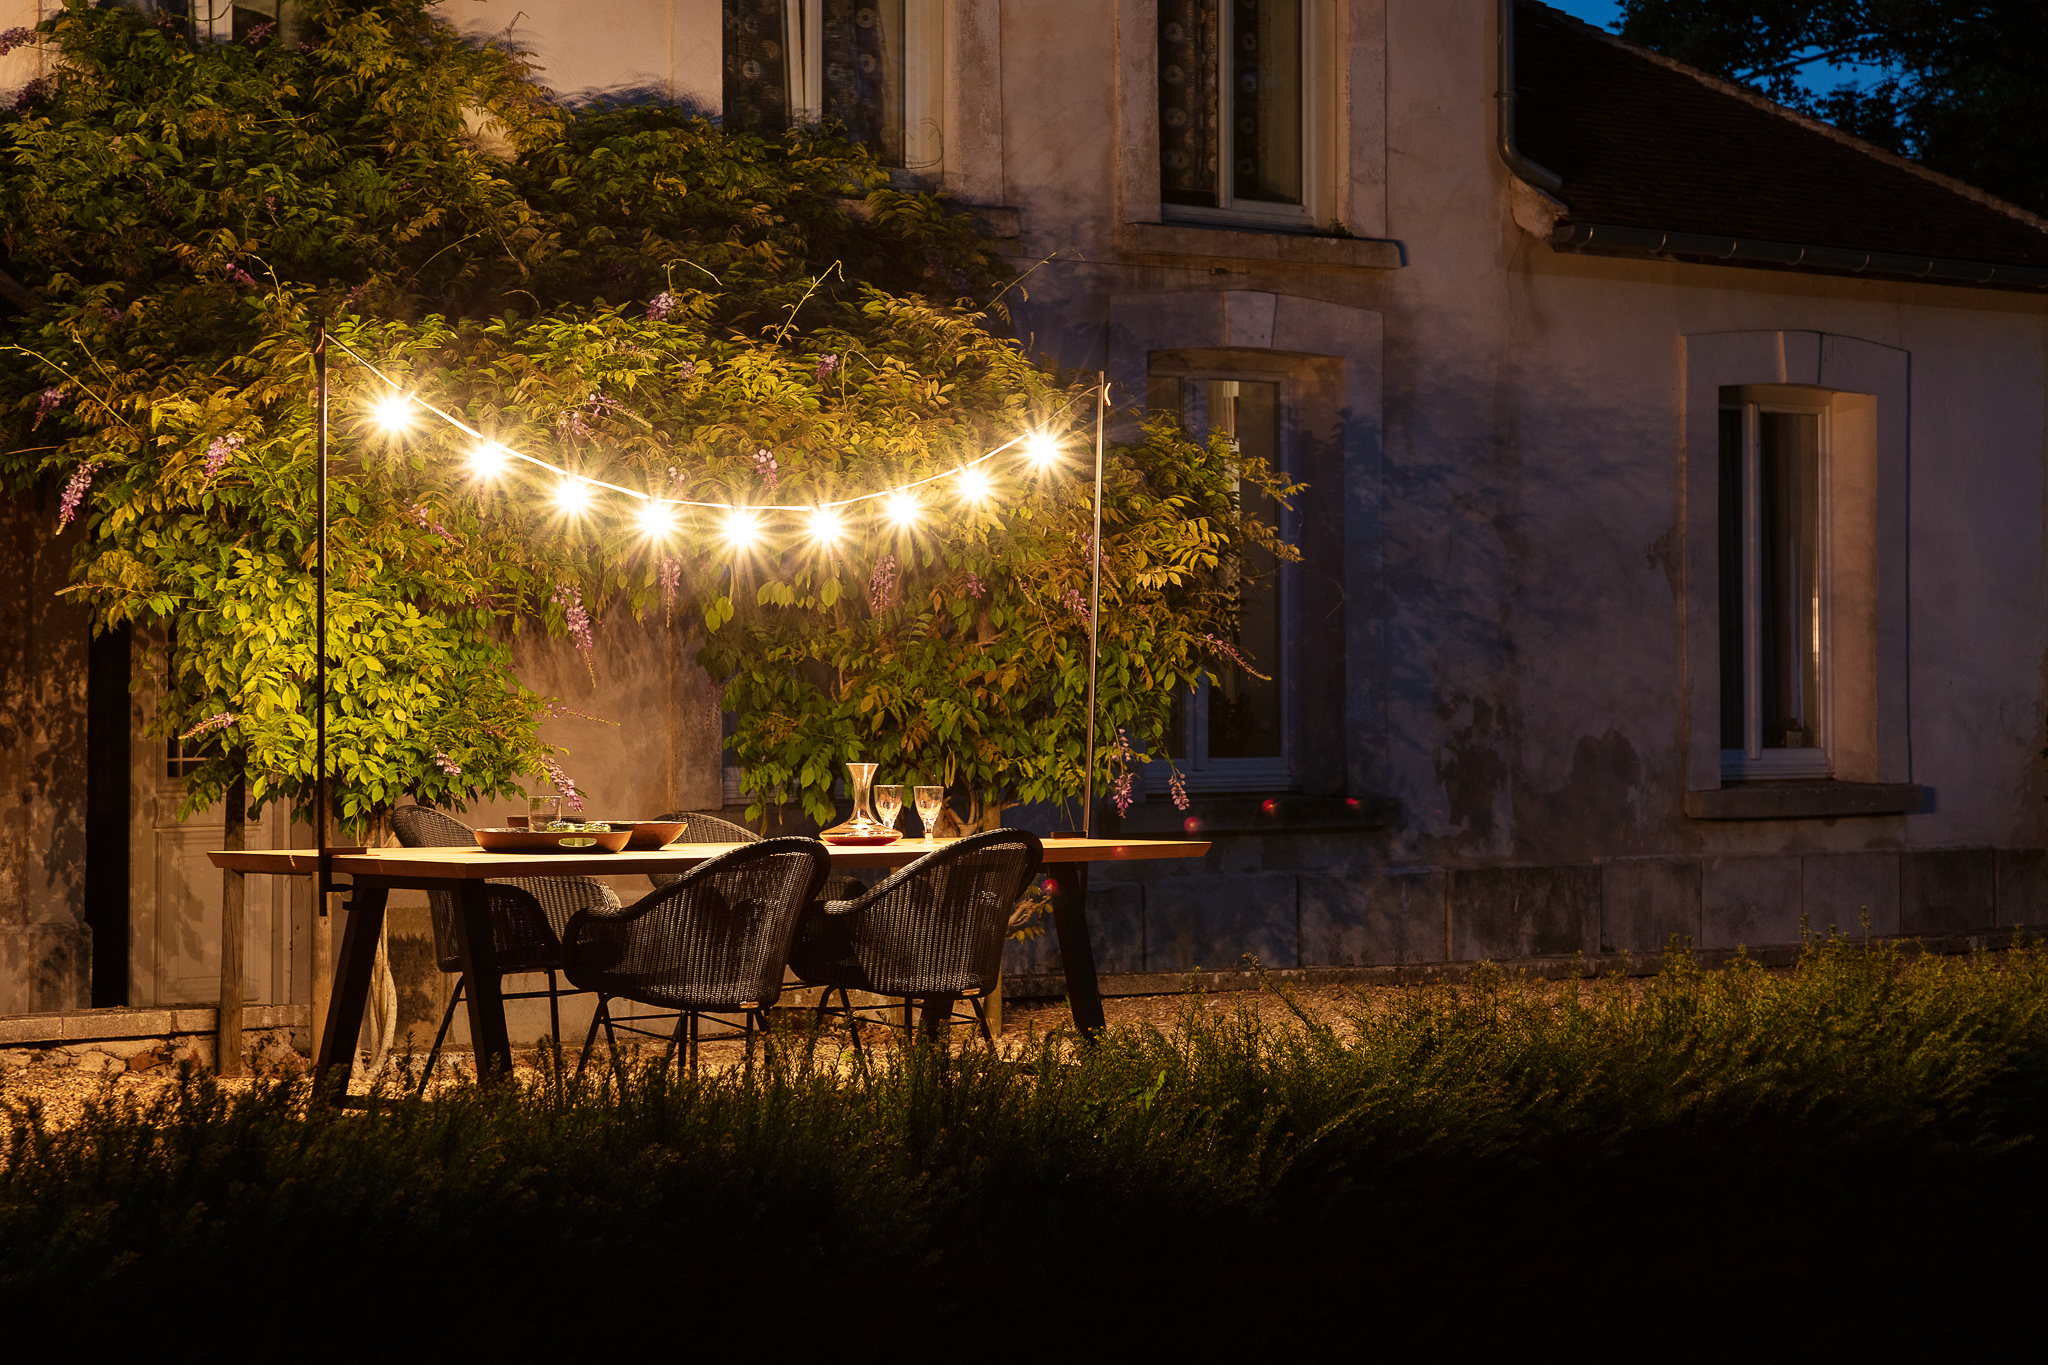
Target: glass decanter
(862, 824)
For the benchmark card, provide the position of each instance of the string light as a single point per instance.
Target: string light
(572, 496)
(826, 526)
(657, 519)
(742, 528)
(900, 507)
(393, 412)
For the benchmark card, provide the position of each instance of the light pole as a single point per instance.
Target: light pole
(1094, 615)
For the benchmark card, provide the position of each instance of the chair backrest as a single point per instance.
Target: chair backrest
(717, 938)
(937, 927)
(520, 932)
(699, 828)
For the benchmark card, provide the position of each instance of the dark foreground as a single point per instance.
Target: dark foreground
(1845, 1155)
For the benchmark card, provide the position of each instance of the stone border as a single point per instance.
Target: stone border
(140, 1040)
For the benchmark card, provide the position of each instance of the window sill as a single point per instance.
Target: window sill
(1805, 800)
(1256, 815)
(1243, 244)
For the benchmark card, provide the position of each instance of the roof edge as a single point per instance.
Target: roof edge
(1813, 125)
(1570, 235)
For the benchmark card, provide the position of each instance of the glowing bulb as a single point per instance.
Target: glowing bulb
(487, 461)
(742, 528)
(1041, 449)
(657, 518)
(572, 496)
(900, 507)
(974, 483)
(826, 526)
(393, 412)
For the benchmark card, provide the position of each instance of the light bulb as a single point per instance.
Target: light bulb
(742, 528)
(487, 461)
(393, 412)
(572, 495)
(826, 527)
(657, 518)
(900, 507)
(974, 483)
(1041, 449)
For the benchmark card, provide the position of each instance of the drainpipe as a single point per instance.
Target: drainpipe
(1525, 170)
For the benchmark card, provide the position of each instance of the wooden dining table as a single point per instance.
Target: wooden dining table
(368, 876)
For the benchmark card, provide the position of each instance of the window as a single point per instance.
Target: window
(1773, 584)
(871, 67)
(1236, 734)
(1242, 99)
(226, 20)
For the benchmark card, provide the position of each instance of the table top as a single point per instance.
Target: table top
(470, 864)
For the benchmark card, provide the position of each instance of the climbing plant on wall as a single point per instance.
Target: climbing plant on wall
(635, 294)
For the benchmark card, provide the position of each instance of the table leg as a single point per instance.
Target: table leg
(1077, 953)
(354, 964)
(485, 996)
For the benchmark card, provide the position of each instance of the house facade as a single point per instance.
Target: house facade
(1673, 539)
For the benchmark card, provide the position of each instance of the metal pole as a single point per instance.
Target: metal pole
(1094, 615)
(326, 861)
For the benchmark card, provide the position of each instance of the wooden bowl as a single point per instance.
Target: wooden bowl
(551, 840)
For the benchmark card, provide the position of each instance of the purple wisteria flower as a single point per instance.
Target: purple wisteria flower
(669, 573)
(1178, 786)
(882, 584)
(573, 423)
(16, 37)
(1230, 652)
(112, 314)
(972, 586)
(239, 276)
(687, 369)
(447, 764)
(270, 203)
(561, 783)
(603, 405)
(577, 620)
(1078, 605)
(74, 493)
(219, 720)
(764, 465)
(47, 404)
(827, 364)
(258, 36)
(42, 87)
(219, 452)
(661, 306)
(432, 527)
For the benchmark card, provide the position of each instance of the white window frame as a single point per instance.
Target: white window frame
(1201, 773)
(1318, 129)
(924, 31)
(1755, 759)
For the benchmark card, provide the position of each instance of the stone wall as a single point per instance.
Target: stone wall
(45, 946)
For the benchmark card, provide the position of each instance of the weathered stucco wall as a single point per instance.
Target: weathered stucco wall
(45, 947)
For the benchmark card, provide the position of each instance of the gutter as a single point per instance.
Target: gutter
(1525, 170)
(1652, 242)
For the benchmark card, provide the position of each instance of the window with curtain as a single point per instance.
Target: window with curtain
(867, 65)
(1237, 96)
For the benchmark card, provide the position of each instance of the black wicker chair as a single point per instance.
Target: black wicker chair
(528, 915)
(931, 933)
(713, 941)
(699, 828)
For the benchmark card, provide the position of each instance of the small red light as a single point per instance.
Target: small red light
(1352, 802)
(1191, 824)
(1269, 805)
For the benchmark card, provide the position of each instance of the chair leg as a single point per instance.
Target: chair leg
(555, 1018)
(981, 1018)
(611, 1038)
(852, 1019)
(602, 1015)
(679, 1042)
(427, 1072)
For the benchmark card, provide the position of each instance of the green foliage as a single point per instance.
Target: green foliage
(1748, 1124)
(1962, 85)
(630, 294)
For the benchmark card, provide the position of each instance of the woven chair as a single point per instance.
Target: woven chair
(931, 933)
(713, 941)
(528, 915)
(699, 828)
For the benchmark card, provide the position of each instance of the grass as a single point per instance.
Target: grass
(1486, 1160)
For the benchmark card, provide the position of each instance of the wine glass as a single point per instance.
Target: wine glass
(888, 803)
(930, 801)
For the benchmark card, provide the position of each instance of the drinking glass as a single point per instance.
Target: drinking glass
(888, 803)
(930, 801)
(542, 811)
